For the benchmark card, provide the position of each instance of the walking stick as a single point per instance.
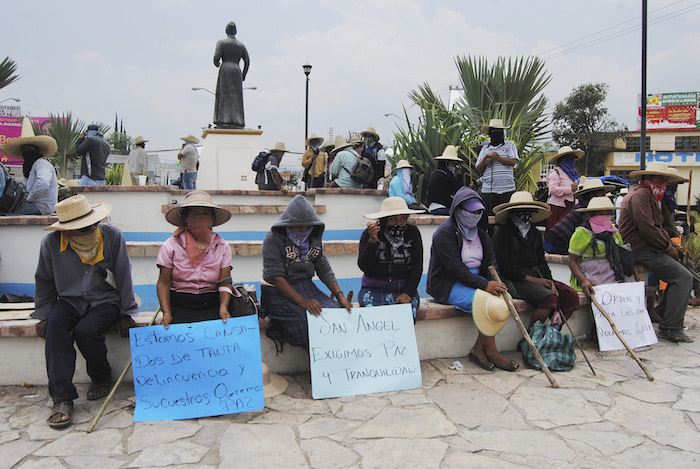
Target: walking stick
(617, 333)
(116, 385)
(577, 343)
(523, 331)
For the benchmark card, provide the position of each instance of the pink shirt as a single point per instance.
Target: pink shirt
(201, 279)
(559, 185)
(472, 253)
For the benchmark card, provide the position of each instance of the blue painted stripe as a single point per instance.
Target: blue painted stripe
(328, 235)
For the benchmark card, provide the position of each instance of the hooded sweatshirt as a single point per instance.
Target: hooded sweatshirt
(282, 258)
(446, 267)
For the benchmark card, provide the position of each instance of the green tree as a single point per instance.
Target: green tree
(65, 130)
(7, 72)
(582, 121)
(119, 143)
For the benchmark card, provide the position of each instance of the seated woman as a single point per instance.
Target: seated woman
(401, 186)
(520, 256)
(458, 275)
(292, 253)
(195, 264)
(444, 181)
(391, 257)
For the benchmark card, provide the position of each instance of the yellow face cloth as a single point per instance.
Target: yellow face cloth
(89, 247)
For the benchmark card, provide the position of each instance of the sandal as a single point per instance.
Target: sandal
(488, 366)
(98, 390)
(512, 366)
(64, 410)
(675, 335)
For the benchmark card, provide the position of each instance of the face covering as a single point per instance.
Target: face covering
(601, 223)
(497, 137)
(657, 188)
(569, 167)
(406, 178)
(300, 239)
(396, 231)
(467, 223)
(521, 220)
(314, 145)
(89, 246)
(452, 169)
(200, 225)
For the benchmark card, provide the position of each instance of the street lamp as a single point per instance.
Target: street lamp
(392, 114)
(10, 99)
(194, 88)
(307, 72)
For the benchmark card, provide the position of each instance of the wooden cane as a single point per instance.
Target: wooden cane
(617, 333)
(687, 209)
(523, 331)
(116, 385)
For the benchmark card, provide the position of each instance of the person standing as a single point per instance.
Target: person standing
(228, 107)
(562, 182)
(189, 161)
(269, 179)
(138, 160)
(314, 162)
(374, 152)
(94, 150)
(345, 159)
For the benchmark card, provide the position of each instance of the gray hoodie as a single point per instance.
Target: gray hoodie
(282, 258)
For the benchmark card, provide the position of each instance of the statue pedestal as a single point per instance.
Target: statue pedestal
(225, 159)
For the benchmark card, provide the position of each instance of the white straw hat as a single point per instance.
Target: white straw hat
(563, 151)
(190, 138)
(392, 206)
(490, 313)
(76, 212)
(47, 145)
(279, 146)
(313, 137)
(450, 154)
(274, 384)
(589, 185)
(599, 204)
(197, 199)
(522, 200)
(370, 131)
(656, 168)
(139, 139)
(403, 164)
(494, 124)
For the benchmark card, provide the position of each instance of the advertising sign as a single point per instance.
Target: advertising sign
(671, 111)
(11, 128)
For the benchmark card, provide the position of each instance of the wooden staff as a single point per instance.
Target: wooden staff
(687, 209)
(116, 385)
(617, 333)
(526, 336)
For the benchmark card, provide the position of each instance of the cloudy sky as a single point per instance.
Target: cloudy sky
(141, 59)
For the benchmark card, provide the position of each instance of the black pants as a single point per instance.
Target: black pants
(66, 325)
(491, 200)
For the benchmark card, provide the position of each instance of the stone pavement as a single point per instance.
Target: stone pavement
(472, 418)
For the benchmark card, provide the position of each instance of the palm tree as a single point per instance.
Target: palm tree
(7, 70)
(65, 131)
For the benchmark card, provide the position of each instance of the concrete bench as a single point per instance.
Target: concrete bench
(247, 209)
(138, 249)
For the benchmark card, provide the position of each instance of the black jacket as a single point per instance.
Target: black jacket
(517, 258)
(442, 186)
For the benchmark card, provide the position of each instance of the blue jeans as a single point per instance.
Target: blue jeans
(189, 180)
(86, 181)
(29, 208)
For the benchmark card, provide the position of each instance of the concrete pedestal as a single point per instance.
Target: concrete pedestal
(225, 159)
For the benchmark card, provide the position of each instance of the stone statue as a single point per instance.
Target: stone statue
(228, 107)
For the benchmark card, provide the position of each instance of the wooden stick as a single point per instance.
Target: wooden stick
(617, 333)
(116, 385)
(687, 209)
(523, 331)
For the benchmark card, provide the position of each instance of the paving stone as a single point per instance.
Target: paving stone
(666, 355)
(656, 456)
(557, 407)
(409, 398)
(682, 378)
(14, 451)
(464, 404)
(653, 392)
(623, 366)
(690, 400)
(521, 442)
(459, 460)
(607, 443)
(178, 452)
(426, 422)
(260, 446)
(391, 452)
(502, 383)
(324, 454)
(43, 463)
(158, 433)
(326, 426)
(27, 415)
(430, 374)
(361, 407)
(597, 397)
(280, 417)
(102, 442)
(81, 462)
(695, 417)
(121, 418)
(41, 431)
(284, 403)
(9, 435)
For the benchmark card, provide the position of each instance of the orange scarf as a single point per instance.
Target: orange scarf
(194, 251)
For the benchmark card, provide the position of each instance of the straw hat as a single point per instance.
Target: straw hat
(47, 145)
(356, 140)
(490, 313)
(450, 154)
(681, 179)
(494, 124)
(279, 146)
(589, 185)
(140, 139)
(370, 131)
(313, 137)
(190, 138)
(563, 151)
(392, 206)
(327, 147)
(197, 199)
(339, 144)
(518, 201)
(403, 164)
(274, 384)
(599, 204)
(76, 212)
(656, 168)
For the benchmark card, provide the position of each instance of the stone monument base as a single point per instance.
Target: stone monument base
(225, 159)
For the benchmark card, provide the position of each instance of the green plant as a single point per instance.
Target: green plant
(7, 72)
(114, 174)
(65, 131)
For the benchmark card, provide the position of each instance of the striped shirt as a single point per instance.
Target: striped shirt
(498, 177)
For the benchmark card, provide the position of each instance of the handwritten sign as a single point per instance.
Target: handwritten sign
(371, 350)
(197, 370)
(625, 303)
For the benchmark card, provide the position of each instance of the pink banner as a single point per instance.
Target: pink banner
(11, 128)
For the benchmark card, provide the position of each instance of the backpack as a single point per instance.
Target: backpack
(12, 192)
(555, 347)
(362, 172)
(259, 162)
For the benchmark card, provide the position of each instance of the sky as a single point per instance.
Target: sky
(140, 59)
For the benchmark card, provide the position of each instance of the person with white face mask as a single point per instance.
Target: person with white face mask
(314, 162)
(402, 186)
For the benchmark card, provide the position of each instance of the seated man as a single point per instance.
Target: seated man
(83, 287)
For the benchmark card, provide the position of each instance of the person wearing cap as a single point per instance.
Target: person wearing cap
(520, 256)
(641, 225)
(83, 287)
(458, 274)
(374, 152)
(495, 163)
(562, 182)
(556, 239)
(391, 257)
(593, 256)
(401, 185)
(138, 160)
(270, 179)
(94, 150)
(444, 182)
(292, 254)
(314, 161)
(189, 162)
(346, 156)
(42, 185)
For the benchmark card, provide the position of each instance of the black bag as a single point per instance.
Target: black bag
(626, 260)
(260, 161)
(363, 171)
(243, 302)
(13, 195)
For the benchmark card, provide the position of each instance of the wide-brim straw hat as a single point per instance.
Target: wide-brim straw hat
(76, 212)
(327, 146)
(279, 146)
(370, 131)
(522, 200)
(494, 124)
(589, 185)
(392, 206)
(681, 179)
(599, 204)
(47, 145)
(190, 138)
(403, 164)
(450, 154)
(274, 384)
(490, 313)
(197, 199)
(563, 151)
(356, 141)
(656, 168)
(307, 142)
(340, 143)
(140, 139)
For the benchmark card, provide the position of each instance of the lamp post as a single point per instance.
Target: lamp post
(10, 99)
(392, 114)
(307, 72)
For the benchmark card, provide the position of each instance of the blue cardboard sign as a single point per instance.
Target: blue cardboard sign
(371, 350)
(197, 370)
